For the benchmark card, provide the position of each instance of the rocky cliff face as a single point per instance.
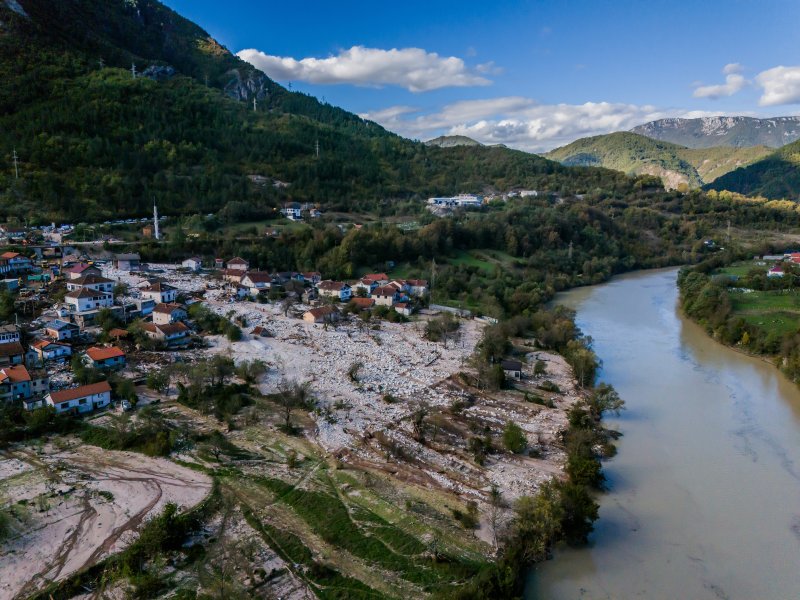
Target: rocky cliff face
(738, 132)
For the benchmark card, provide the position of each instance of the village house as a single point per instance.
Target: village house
(386, 295)
(144, 306)
(417, 287)
(47, 350)
(219, 263)
(86, 299)
(17, 263)
(776, 271)
(169, 313)
(59, 330)
(238, 264)
(171, 334)
(194, 263)
(260, 331)
(15, 383)
(80, 399)
(255, 282)
(365, 285)
(80, 270)
(127, 262)
(9, 333)
(92, 282)
(378, 278)
(323, 314)
(335, 289)
(160, 293)
(404, 308)
(512, 368)
(362, 303)
(309, 295)
(312, 277)
(292, 211)
(233, 276)
(105, 358)
(11, 354)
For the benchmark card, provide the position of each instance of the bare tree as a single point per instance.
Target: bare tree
(418, 417)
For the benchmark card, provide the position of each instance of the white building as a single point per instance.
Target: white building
(47, 350)
(86, 299)
(92, 282)
(256, 281)
(168, 313)
(335, 289)
(161, 293)
(9, 333)
(81, 399)
(195, 263)
(462, 200)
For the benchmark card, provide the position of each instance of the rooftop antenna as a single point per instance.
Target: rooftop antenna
(156, 232)
(133, 70)
(16, 163)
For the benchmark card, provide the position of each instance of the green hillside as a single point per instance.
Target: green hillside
(775, 176)
(449, 141)
(636, 154)
(95, 142)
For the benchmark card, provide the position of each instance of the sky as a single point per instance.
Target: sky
(531, 74)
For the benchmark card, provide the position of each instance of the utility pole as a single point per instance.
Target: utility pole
(316, 147)
(433, 276)
(156, 233)
(133, 70)
(729, 231)
(255, 104)
(569, 254)
(16, 163)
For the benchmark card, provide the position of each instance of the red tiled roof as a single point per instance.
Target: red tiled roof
(16, 374)
(168, 308)
(43, 344)
(363, 302)
(386, 290)
(80, 392)
(333, 286)
(377, 276)
(237, 261)
(98, 354)
(323, 311)
(11, 349)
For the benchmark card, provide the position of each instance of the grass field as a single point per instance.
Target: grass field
(775, 311)
(742, 268)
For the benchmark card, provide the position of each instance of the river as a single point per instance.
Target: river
(704, 494)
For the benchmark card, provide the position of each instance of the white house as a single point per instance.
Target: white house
(9, 333)
(323, 314)
(365, 284)
(47, 350)
(61, 330)
(15, 383)
(292, 211)
(168, 313)
(417, 287)
(195, 263)
(238, 264)
(385, 296)
(80, 399)
(776, 271)
(256, 281)
(127, 262)
(335, 289)
(86, 299)
(172, 334)
(462, 200)
(160, 293)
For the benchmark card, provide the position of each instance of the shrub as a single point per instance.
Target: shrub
(514, 438)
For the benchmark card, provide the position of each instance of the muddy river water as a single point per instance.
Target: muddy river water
(704, 494)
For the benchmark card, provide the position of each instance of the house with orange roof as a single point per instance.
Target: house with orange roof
(100, 357)
(81, 399)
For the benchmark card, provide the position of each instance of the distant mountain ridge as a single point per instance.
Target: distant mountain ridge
(636, 154)
(452, 141)
(738, 132)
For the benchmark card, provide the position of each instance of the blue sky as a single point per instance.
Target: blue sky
(531, 74)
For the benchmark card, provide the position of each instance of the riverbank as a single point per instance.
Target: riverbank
(696, 507)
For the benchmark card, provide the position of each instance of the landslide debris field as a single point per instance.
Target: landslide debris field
(379, 488)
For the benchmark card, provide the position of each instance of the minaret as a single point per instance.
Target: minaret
(156, 233)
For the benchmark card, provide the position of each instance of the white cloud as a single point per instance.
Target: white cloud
(781, 85)
(411, 68)
(734, 82)
(521, 122)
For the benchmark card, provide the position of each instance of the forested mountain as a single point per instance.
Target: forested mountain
(674, 164)
(739, 132)
(775, 176)
(94, 141)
